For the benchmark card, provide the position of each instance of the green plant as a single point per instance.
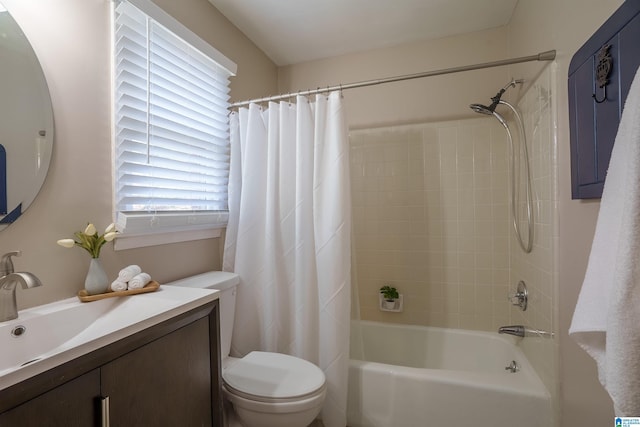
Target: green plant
(389, 293)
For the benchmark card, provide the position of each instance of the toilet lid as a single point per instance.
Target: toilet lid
(273, 375)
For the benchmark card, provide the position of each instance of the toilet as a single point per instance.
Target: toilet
(266, 389)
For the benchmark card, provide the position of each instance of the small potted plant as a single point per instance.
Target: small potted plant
(389, 295)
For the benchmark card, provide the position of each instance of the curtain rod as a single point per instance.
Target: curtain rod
(549, 55)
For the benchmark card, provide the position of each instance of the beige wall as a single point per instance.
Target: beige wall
(72, 40)
(414, 101)
(565, 25)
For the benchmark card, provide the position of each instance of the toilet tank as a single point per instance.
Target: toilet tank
(226, 283)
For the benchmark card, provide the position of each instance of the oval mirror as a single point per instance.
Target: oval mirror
(26, 122)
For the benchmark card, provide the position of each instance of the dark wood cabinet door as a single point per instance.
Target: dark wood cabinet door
(73, 404)
(165, 383)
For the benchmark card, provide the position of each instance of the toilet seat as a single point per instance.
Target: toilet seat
(261, 399)
(273, 377)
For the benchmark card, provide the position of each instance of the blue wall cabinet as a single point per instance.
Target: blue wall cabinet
(600, 74)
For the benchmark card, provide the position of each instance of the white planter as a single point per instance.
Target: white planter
(389, 305)
(392, 306)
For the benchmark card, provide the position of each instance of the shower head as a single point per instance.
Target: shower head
(490, 111)
(482, 109)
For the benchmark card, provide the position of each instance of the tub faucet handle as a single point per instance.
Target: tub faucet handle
(520, 298)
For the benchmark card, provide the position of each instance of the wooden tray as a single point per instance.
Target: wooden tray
(149, 287)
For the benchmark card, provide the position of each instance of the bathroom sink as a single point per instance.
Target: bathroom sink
(46, 336)
(39, 330)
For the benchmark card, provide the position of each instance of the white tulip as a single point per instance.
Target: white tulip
(110, 236)
(90, 230)
(110, 228)
(67, 243)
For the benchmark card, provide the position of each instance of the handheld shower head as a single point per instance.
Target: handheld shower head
(482, 109)
(490, 111)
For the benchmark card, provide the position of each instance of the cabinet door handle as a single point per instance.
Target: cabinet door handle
(105, 411)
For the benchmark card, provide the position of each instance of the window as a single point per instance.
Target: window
(171, 129)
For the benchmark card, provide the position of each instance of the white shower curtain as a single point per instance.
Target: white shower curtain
(289, 236)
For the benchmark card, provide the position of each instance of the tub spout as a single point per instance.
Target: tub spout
(524, 331)
(517, 330)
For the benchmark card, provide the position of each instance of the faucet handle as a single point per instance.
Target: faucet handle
(6, 263)
(521, 296)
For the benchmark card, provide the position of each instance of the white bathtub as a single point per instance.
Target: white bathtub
(415, 376)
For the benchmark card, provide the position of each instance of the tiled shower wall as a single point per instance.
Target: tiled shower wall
(431, 218)
(538, 269)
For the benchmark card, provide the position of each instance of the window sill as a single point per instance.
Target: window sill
(140, 230)
(132, 241)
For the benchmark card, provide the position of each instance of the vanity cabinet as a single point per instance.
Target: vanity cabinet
(166, 382)
(167, 375)
(72, 404)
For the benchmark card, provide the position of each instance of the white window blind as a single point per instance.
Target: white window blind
(171, 124)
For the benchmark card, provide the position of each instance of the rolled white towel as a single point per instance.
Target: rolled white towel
(139, 281)
(118, 285)
(129, 273)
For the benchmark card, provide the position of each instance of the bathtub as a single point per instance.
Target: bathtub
(416, 376)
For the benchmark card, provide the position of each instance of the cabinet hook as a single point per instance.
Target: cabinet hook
(604, 98)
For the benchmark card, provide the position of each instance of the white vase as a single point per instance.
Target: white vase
(96, 281)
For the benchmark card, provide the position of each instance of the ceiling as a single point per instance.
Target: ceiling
(294, 31)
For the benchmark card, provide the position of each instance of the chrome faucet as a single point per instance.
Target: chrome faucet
(516, 330)
(8, 283)
(523, 331)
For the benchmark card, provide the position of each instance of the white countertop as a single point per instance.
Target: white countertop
(88, 326)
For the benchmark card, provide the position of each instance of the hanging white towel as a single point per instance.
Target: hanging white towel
(606, 321)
